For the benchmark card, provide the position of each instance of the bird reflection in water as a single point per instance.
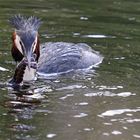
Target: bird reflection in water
(21, 104)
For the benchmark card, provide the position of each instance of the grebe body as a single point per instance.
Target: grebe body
(59, 57)
(47, 58)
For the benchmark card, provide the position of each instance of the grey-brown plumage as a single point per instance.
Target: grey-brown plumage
(59, 57)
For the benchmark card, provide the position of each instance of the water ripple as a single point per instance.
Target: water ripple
(109, 94)
(115, 132)
(84, 18)
(117, 112)
(42, 89)
(50, 135)
(136, 136)
(102, 87)
(70, 87)
(133, 120)
(88, 129)
(3, 69)
(21, 127)
(81, 104)
(81, 115)
(65, 97)
(97, 36)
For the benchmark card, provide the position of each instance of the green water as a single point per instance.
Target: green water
(101, 107)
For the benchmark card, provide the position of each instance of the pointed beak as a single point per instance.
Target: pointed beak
(28, 56)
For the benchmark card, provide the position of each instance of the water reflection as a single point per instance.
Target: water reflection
(21, 105)
(63, 107)
(21, 127)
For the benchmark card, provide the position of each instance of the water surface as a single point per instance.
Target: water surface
(103, 105)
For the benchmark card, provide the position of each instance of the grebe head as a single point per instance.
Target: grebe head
(25, 38)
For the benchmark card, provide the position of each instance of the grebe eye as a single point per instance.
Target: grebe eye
(20, 43)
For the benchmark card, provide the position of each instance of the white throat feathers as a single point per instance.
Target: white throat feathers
(29, 74)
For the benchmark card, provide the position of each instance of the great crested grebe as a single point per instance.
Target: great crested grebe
(47, 58)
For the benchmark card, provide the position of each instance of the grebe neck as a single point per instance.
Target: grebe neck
(29, 74)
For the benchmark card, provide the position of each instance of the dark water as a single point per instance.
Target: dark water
(103, 106)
